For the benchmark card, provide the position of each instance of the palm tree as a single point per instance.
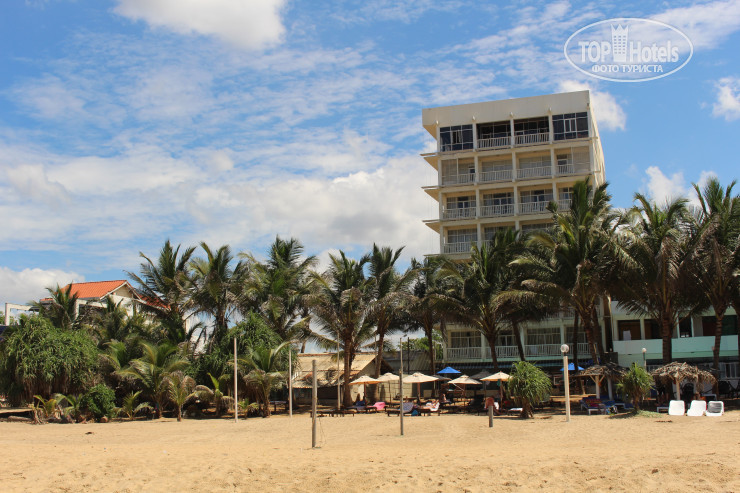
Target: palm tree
(480, 284)
(215, 395)
(656, 282)
(61, 309)
(261, 366)
(153, 369)
(216, 287)
(636, 384)
(716, 258)
(129, 408)
(387, 289)
(180, 389)
(574, 263)
(278, 288)
(426, 307)
(165, 287)
(339, 304)
(528, 385)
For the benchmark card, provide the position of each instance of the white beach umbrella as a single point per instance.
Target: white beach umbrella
(498, 377)
(464, 380)
(418, 379)
(364, 380)
(481, 375)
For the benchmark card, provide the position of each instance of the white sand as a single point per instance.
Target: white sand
(365, 452)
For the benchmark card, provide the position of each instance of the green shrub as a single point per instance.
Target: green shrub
(635, 384)
(528, 385)
(99, 401)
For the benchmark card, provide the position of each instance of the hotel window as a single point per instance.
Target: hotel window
(505, 338)
(565, 193)
(530, 196)
(491, 231)
(535, 162)
(462, 202)
(570, 126)
(462, 235)
(544, 335)
(456, 138)
(468, 338)
(531, 126)
(629, 330)
(729, 325)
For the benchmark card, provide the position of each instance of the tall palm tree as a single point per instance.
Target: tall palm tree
(278, 288)
(216, 287)
(575, 262)
(339, 305)
(153, 369)
(388, 290)
(426, 308)
(61, 308)
(262, 367)
(165, 285)
(656, 282)
(716, 259)
(480, 284)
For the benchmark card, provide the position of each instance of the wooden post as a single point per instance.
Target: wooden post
(567, 387)
(236, 388)
(490, 415)
(400, 379)
(314, 394)
(339, 392)
(290, 380)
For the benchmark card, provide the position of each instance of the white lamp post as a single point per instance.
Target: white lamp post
(644, 358)
(564, 349)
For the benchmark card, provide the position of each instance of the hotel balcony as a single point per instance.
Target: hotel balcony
(508, 352)
(535, 207)
(453, 248)
(498, 175)
(497, 210)
(534, 173)
(494, 142)
(463, 213)
(532, 139)
(461, 179)
(565, 169)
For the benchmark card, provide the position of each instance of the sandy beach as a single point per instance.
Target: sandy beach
(365, 452)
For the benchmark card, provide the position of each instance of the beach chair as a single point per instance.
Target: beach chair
(376, 408)
(591, 406)
(715, 408)
(430, 408)
(676, 408)
(407, 408)
(697, 408)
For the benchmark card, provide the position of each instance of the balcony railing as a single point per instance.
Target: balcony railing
(564, 204)
(464, 353)
(534, 207)
(457, 247)
(463, 213)
(497, 210)
(528, 139)
(530, 351)
(498, 175)
(566, 169)
(536, 172)
(460, 179)
(494, 142)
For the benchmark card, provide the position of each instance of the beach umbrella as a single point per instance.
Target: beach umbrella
(481, 375)
(597, 373)
(448, 370)
(364, 380)
(572, 367)
(391, 377)
(500, 377)
(464, 380)
(418, 379)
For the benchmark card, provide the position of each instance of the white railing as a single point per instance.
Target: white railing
(534, 207)
(464, 353)
(458, 179)
(499, 175)
(527, 139)
(566, 169)
(497, 210)
(536, 172)
(494, 142)
(542, 350)
(564, 204)
(463, 213)
(457, 247)
(583, 348)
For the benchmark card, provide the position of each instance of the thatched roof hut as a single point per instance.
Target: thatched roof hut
(677, 372)
(610, 371)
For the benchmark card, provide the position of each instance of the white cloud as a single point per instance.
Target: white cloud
(248, 24)
(32, 181)
(30, 284)
(727, 105)
(662, 188)
(705, 24)
(609, 114)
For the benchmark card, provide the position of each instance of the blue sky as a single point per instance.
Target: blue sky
(127, 122)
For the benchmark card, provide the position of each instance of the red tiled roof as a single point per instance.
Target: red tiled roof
(96, 289)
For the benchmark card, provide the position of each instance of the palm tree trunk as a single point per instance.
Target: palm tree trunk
(429, 333)
(574, 339)
(494, 359)
(588, 327)
(347, 397)
(518, 337)
(597, 334)
(667, 334)
(720, 315)
(378, 356)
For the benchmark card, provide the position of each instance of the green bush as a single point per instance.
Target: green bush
(37, 358)
(99, 401)
(528, 385)
(635, 384)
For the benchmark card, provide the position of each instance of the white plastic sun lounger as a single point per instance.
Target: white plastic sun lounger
(676, 408)
(697, 408)
(715, 408)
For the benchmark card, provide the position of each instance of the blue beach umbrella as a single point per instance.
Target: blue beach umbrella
(448, 370)
(571, 367)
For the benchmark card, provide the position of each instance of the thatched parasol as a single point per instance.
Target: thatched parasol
(610, 371)
(677, 372)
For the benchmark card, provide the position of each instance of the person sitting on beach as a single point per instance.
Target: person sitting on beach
(444, 399)
(491, 402)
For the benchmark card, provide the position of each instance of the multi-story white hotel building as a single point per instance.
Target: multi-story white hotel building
(498, 165)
